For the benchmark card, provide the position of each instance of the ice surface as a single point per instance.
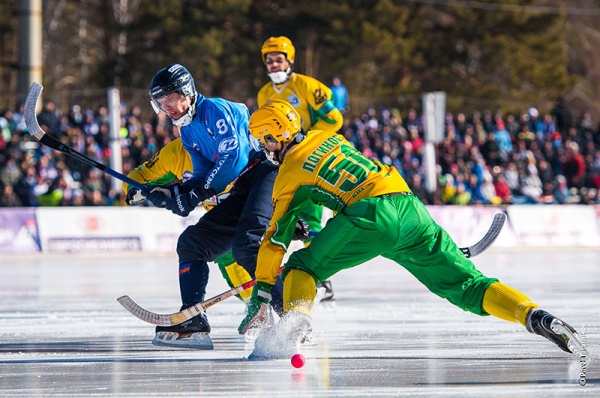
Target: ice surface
(63, 334)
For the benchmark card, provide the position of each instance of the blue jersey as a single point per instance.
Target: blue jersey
(218, 142)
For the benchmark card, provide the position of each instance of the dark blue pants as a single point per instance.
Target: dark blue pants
(237, 224)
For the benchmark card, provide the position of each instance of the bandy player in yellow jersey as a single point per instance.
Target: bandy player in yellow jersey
(311, 99)
(165, 169)
(376, 214)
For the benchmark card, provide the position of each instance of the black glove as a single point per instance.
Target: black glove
(183, 204)
(159, 196)
(134, 196)
(302, 231)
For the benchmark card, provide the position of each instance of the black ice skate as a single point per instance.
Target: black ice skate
(193, 333)
(560, 333)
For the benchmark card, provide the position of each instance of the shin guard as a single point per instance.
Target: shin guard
(193, 278)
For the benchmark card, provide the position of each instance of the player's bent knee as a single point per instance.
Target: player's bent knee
(188, 247)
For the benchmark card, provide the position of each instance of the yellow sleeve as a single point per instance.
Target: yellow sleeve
(167, 166)
(323, 113)
(269, 260)
(289, 198)
(311, 98)
(331, 121)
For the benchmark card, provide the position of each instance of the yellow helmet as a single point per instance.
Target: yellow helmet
(279, 44)
(275, 121)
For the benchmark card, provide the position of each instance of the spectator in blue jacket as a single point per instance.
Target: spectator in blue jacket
(339, 94)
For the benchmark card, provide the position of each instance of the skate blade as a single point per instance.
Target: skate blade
(197, 341)
(573, 343)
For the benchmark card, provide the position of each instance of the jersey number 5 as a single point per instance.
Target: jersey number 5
(347, 169)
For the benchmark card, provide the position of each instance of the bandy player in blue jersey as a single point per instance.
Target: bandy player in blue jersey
(215, 133)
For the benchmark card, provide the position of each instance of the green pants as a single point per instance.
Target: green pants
(398, 228)
(313, 215)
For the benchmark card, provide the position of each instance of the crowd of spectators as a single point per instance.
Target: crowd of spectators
(490, 157)
(485, 158)
(32, 174)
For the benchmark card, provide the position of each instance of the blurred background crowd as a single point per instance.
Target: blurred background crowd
(485, 158)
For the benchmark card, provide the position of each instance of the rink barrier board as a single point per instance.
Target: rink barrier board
(154, 230)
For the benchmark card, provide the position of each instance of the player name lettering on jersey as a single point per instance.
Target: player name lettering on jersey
(322, 150)
(214, 171)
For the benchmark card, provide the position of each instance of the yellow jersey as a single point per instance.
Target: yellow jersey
(167, 166)
(325, 169)
(310, 97)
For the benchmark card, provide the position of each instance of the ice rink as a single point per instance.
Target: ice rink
(63, 334)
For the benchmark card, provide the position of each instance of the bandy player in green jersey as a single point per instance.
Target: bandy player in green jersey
(375, 214)
(312, 100)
